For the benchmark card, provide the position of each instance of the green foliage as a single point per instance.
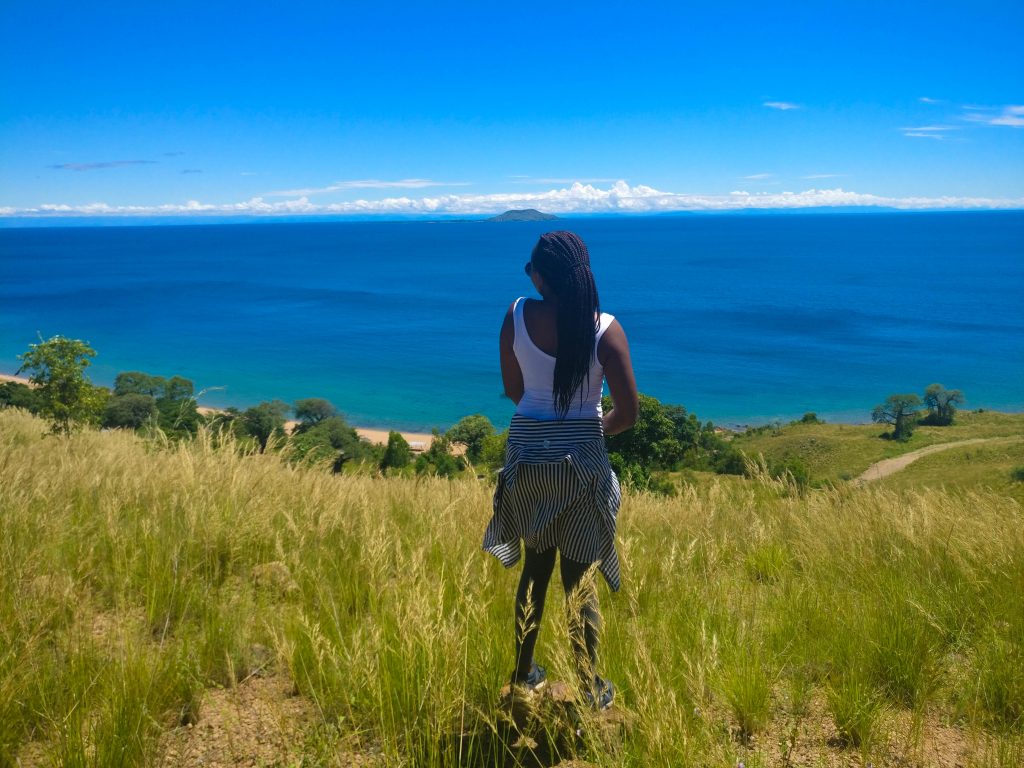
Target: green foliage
(139, 383)
(130, 410)
(493, 454)
(898, 410)
(330, 438)
(438, 459)
(264, 421)
(666, 438)
(57, 369)
(178, 389)
(472, 432)
(14, 394)
(791, 467)
(176, 409)
(941, 404)
(810, 418)
(1017, 475)
(652, 441)
(397, 454)
(312, 410)
(661, 484)
(729, 461)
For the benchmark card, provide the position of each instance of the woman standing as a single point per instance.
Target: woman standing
(557, 492)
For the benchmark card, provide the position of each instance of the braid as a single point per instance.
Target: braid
(562, 258)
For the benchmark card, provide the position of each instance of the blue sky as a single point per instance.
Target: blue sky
(215, 108)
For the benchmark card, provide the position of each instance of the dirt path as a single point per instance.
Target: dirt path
(886, 467)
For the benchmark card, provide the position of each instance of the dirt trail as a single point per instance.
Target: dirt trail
(886, 467)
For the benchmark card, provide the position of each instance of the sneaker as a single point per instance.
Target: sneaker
(601, 696)
(535, 679)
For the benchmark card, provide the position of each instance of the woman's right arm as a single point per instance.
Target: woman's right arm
(613, 353)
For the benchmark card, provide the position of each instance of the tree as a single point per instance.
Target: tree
(897, 410)
(438, 459)
(264, 420)
(312, 410)
(471, 431)
(177, 406)
(14, 394)
(941, 404)
(397, 454)
(493, 453)
(330, 438)
(138, 383)
(57, 369)
(651, 443)
(131, 410)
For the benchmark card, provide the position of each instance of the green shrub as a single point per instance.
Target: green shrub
(438, 459)
(331, 438)
(130, 411)
(397, 454)
(14, 394)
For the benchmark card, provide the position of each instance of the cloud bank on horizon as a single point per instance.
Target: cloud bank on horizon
(578, 198)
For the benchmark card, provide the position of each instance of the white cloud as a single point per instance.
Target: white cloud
(1011, 115)
(783, 105)
(368, 184)
(619, 197)
(927, 100)
(823, 176)
(919, 135)
(757, 177)
(928, 128)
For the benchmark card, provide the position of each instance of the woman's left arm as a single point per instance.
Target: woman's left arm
(511, 373)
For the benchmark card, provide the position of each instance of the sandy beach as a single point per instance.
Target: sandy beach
(418, 441)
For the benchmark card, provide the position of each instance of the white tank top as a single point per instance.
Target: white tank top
(539, 375)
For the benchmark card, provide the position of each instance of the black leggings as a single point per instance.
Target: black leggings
(583, 628)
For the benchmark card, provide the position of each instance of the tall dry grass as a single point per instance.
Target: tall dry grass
(755, 622)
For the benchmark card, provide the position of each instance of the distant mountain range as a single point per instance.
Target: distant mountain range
(529, 214)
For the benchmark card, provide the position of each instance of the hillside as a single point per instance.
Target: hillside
(189, 603)
(833, 452)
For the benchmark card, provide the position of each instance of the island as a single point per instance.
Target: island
(529, 214)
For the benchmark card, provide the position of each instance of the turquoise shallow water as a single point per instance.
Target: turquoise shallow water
(742, 319)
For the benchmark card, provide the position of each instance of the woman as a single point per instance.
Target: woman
(557, 492)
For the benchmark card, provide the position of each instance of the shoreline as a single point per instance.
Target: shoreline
(418, 441)
(421, 441)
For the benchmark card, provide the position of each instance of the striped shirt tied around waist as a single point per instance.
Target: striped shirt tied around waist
(556, 489)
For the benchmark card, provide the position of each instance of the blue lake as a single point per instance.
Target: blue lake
(741, 318)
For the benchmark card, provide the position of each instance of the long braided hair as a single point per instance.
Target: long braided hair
(564, 262)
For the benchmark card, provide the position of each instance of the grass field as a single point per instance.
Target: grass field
(834, 452)
(184, 603)
(982, 466)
